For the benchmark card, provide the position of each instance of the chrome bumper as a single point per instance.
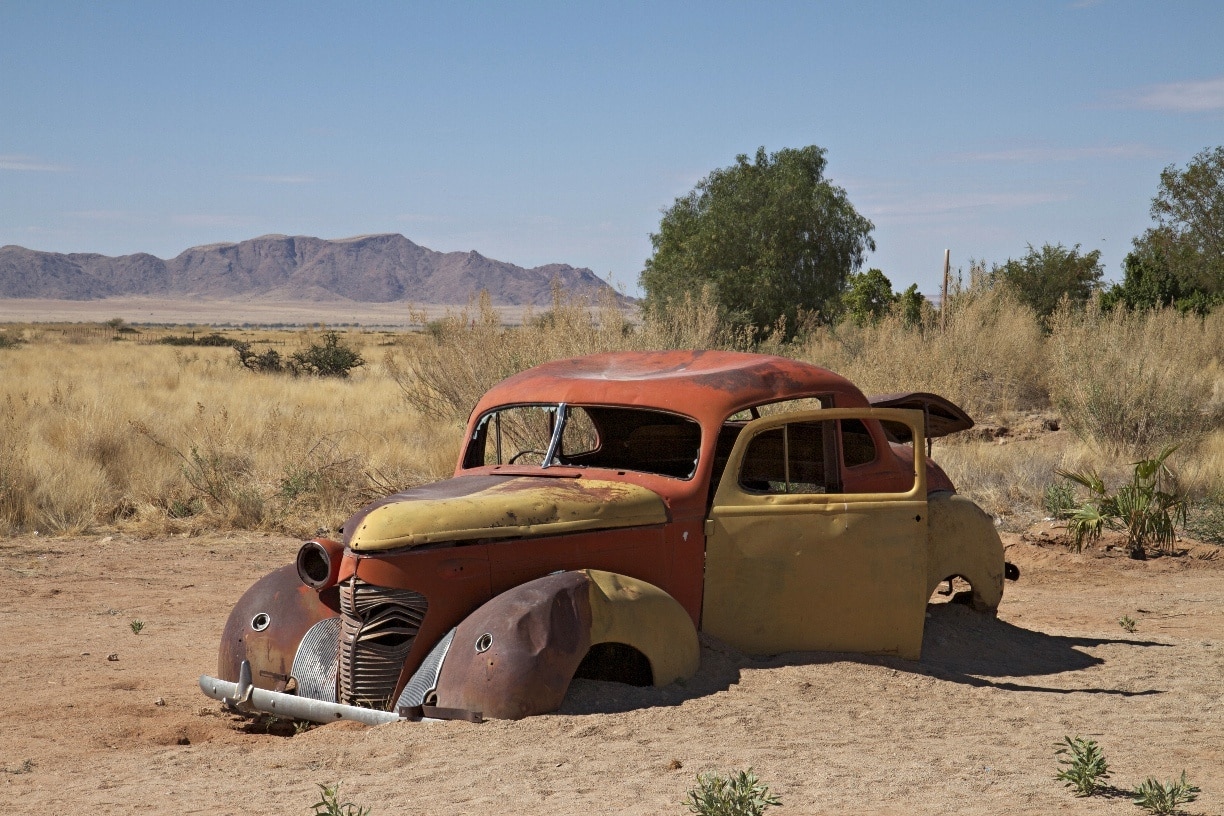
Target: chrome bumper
(243, 696)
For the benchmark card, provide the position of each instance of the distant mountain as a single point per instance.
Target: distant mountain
(368, 268)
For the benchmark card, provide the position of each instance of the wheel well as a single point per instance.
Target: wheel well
(617, 663)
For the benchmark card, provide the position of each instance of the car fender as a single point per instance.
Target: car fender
(962, 540)
(516, 655)
(268, 623)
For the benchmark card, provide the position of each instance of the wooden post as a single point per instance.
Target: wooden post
(943, 297)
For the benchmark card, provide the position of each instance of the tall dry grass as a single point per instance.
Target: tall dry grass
(987, 358)
(155, 438)
(470, 350)
(1133, 382)
(96, 433)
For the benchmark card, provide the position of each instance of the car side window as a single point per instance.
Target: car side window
(858, 448)
(793, 458)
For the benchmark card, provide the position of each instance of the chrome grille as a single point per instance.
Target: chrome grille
(377, 628)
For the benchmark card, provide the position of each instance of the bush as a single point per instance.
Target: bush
(736, 794)
(1135, 382)
(327, 359)
(8, 341)
(1147, 509)
(214, 339)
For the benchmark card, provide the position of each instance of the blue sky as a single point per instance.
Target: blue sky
(556, 132)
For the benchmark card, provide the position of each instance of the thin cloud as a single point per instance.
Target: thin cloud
(29, 163)
(953, 202)
(1040, 155)
(1201, 96)
(209, 220)
(287, 179)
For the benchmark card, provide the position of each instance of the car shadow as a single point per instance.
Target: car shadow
(958, 645)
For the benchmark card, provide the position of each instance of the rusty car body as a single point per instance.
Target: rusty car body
(605, 509)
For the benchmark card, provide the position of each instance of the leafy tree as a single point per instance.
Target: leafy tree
(910, 304)
(1044, 276)
(770, 237)
(869, 296)
(1180, 261)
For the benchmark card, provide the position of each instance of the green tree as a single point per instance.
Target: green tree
(911, 304)
(1044, 276)
(868, 296)
(1180, 261)
(770, 237)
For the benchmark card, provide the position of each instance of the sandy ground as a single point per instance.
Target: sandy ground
(205, 312)
(969, 729)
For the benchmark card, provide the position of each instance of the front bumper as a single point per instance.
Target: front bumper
(243, 696)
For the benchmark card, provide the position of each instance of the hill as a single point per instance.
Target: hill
(368, 268)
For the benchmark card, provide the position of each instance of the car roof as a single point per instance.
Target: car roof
(707, 385)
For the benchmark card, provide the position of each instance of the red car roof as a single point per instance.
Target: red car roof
(707, 385)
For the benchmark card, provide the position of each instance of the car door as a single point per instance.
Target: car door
(795, 563)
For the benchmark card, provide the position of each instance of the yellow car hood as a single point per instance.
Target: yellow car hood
(479, 507)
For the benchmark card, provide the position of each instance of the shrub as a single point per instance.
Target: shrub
(213, 339)
(1147, 509)
(735, 794)
(1085, 766)
(330, 358)
(1134, 382)
(8, 341)
(1164, 798)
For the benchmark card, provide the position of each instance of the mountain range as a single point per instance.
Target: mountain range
(368, 268)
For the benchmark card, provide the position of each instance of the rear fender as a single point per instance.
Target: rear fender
(516, 655)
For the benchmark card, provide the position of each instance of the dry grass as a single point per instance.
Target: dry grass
(102, 434)
(1131, 383)
(988, 358)
(164, 439)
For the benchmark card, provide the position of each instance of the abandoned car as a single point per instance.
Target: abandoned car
(605, 509)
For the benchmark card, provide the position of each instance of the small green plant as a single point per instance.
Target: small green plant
(1058, 500)
(1085, 766)
(738, 793)
(302, 726)
(136, 626)
(1147, 509)
(1128, 623)
(1163, 798)
(329, 803)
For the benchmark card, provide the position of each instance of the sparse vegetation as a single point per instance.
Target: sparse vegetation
(137, 626)
(737, 793)
(1163, 798)
(329, 358)
(329, 803)
(1128, 623)
(168, 438)
(1084, 767)
(1147, 509)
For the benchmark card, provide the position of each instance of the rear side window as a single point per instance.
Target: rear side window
(858, 448)
(794, 458)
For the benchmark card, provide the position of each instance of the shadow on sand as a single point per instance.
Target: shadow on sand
(958, 645)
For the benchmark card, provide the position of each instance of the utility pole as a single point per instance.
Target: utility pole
(943, 297)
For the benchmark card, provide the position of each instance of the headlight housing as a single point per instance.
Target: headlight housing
(318, 563)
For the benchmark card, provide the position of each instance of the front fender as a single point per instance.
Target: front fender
(962, 540)
(516, 655)
(270, 643)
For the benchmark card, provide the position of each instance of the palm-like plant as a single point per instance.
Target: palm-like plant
(1147, 510)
